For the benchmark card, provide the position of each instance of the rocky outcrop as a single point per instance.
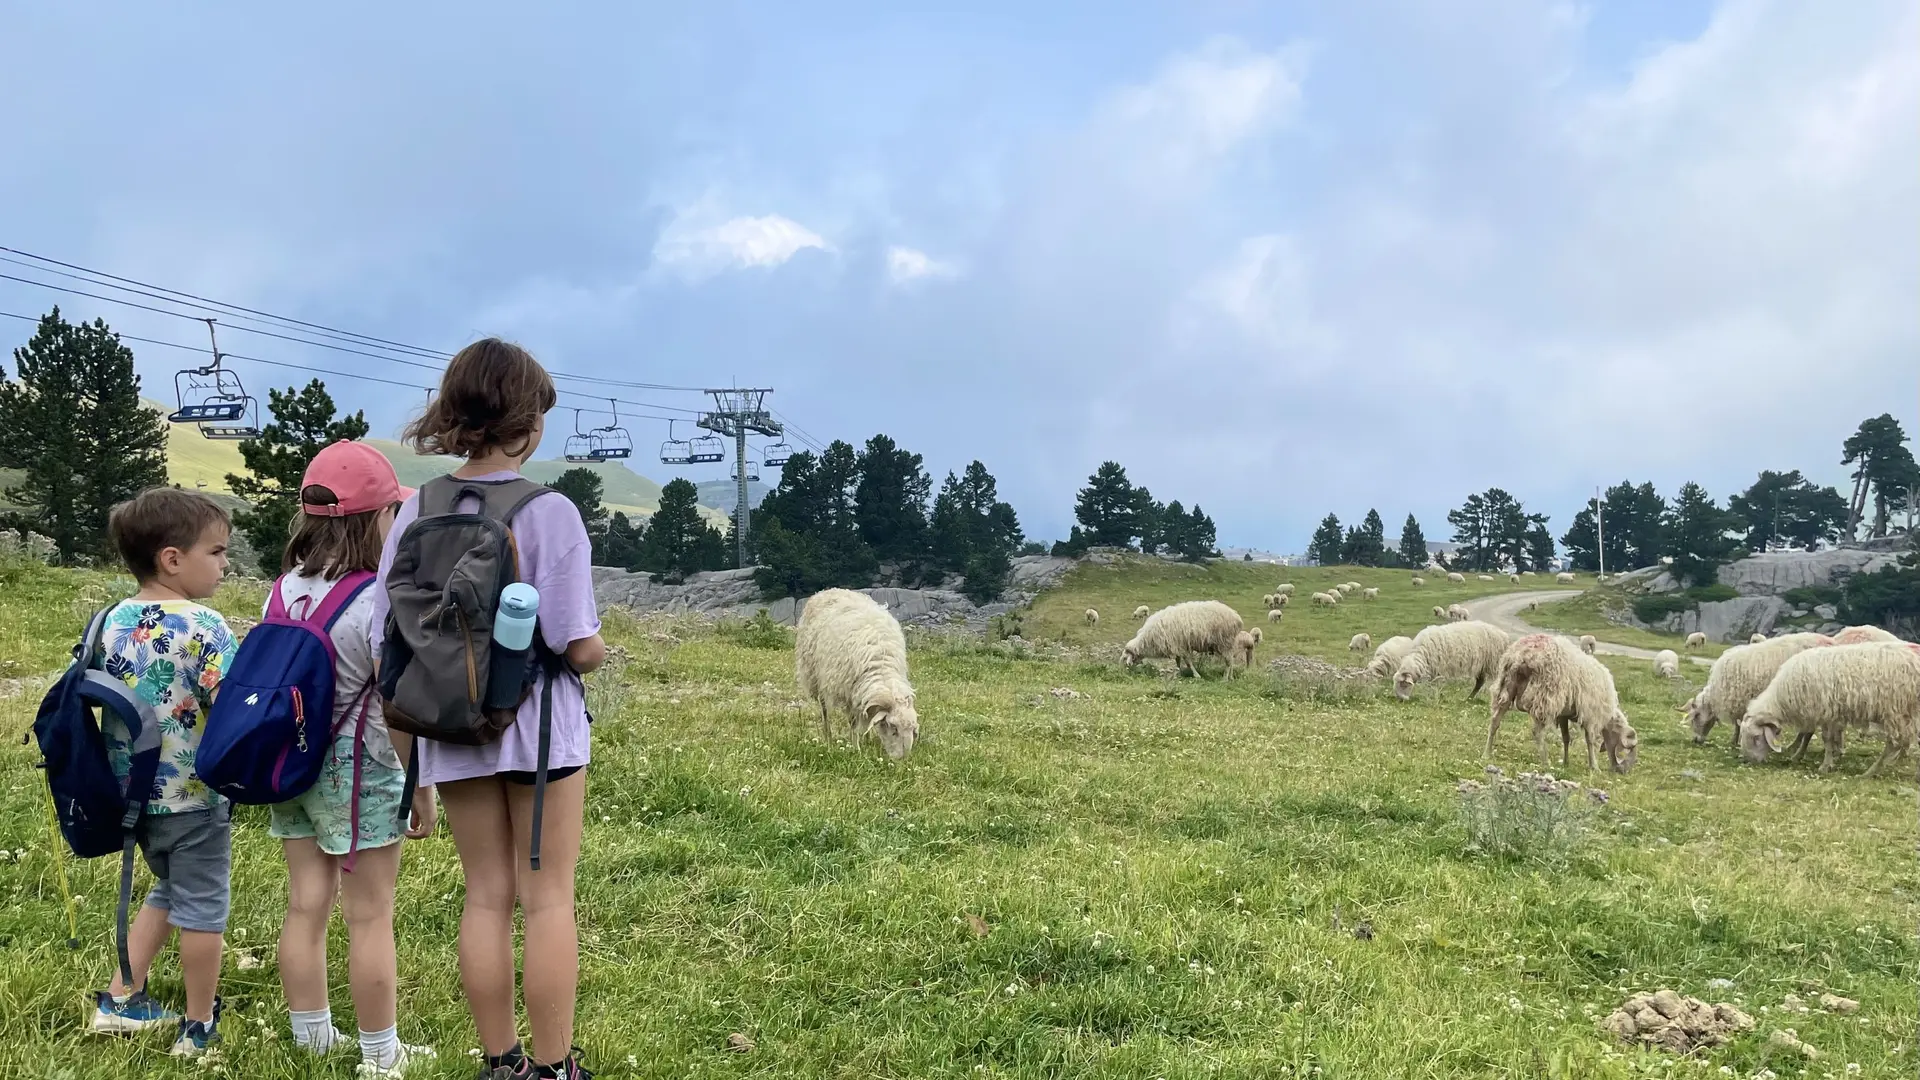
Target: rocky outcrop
(1775, 572)
(1728, 620)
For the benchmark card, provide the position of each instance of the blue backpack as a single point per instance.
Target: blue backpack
(97, 815)
(271, 724)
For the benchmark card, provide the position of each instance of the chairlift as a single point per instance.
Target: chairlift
(615, 444)
(214, 398)
(775, 454)
(707, 449)
(675, 451)
(240, 420)
(583, 447)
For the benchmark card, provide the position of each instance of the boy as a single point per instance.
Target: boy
(172, 651)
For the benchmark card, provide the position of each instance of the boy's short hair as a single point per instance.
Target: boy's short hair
(493, 393)
(158, 519)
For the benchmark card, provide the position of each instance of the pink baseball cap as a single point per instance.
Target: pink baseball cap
(360, 477)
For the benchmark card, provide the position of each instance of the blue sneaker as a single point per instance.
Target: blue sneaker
(195, 1036)
(132, 1016)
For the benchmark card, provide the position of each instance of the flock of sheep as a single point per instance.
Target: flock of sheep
(850, 658)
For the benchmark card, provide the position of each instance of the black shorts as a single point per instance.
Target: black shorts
(525, 779)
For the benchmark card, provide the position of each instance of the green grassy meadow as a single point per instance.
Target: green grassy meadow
(1151, 877)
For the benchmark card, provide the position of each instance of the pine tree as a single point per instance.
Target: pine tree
(73, 422)
(890, 501)
(1325, 546)
(1172, 523)
(1106, 508)
(678, 542)
(1413, 545)
(303, 423)
(622, 546)
(1788, 510)
(1883, 466)
(974, 533)
(1366, 544)
(1539, 546)
(1698, 529)
(1198, 537)
(583, 487)
(1151, 519)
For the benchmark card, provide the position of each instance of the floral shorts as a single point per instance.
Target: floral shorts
(325, 812)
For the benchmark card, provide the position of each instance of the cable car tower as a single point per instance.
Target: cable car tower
(734, 414)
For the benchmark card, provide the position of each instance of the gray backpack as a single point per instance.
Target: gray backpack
(442, 676)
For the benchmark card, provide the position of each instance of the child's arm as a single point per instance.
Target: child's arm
(426, 813)
(587, 654)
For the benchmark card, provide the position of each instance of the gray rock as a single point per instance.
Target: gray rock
(1663, 582)
(1826, 611)
(1733, 620)
(1830, 628)
(1797, 613)
(1775, 572)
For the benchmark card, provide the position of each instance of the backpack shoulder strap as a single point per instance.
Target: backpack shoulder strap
(440, 495)
(90, 639)
(343, 593)
(276, 599)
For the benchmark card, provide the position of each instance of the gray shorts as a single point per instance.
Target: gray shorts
(192, 856)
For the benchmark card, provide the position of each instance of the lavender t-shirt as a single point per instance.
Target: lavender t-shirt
(556, 559)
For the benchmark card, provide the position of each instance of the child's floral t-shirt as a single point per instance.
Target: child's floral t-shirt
(173, 654)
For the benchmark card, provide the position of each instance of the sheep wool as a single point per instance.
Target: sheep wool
(1514, 578)
(1458, 613)
(1564, 579)
(1457, 578)
(1873, 686)
(1756, 639)
(1666, 664)
(1738, 677)
(1457, 650)
(1266, 600)
(1588, 644)
(1142, 611)
(1360, 643)
(1369, 594)
(850, 656)
(1093, 617)
(1259, 635)
(1696, 640)
(1418, 581)
(1484, 577)
(1863, 635)
(1344, 587)
(1389, 654)
(1544, 676)
(1439, 612)
(1185, 631)
(1321, 599)
(1244, 643)
(1274, 615)
(1283, 590)
(1280, 599)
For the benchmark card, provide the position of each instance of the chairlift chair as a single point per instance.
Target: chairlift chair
(675, 451)
(706, 449)
(583, 447)
(615, 443)
(775, 454)
(239, 419)
(214, 398)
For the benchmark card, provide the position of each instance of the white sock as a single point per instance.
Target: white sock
(381, 1049)
(314, 1030)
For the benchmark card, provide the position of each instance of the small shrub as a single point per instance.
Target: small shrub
(1812, 596)
(1009, 625)
(759, 632)
(1653, 607)
(1530, 816)
(1711, 594)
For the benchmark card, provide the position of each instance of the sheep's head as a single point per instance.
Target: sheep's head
(1404, 678)
(895, 726)
(1130, 653)
(1759, 734)
(1622, 743)
(1700, 718)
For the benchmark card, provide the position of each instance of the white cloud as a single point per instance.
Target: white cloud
(697, 245)
(905, 264)
(1263, 292)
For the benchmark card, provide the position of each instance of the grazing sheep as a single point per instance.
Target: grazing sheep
(1458, 613)
(1588, 644)
(1360, 642)
(1526, 573)
(1388, 655)
(1351, 585)
(1283, 590)
(1259, 635)
(1756, 639)
(1345, 587)
(1280, 599)
(1696, 640)
(1666, 664)
(1182, 632)
(1863, 635)
(1457, 579)
(1142, 611)
(850, 656)
(1369, 594)
(1243, 645)
(1462, 650)
(1738, 677)
(1439, 612)
(1093, 617)
(1321, 599)
(1484, 577)
(1274, 615)
(1543, 676)
(1873, 686)
(1418, 581)
(1563, 578)
(1514, 578)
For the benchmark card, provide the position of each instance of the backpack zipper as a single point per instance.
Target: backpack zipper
(473, 673)
(299, 721)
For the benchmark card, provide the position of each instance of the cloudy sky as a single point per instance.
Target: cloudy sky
(1276, 258)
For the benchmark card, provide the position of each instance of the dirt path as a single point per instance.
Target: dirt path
(1504, 611)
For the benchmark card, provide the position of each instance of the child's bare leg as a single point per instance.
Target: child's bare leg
(200, 969)
(145, 939)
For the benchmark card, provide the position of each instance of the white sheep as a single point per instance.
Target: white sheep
(1244, 643)
(1280, 599)
(1093, 617)
(1369, 594)
(1321, 599)
(1283, 590)
(1460, 650)
(1274, 615)
(1563, 578)
(1458, 613)
(1666, 664)
(1389, 654)
(1360, 642)
(1514, 578)
(1185, 631)
(1756, 639)
(1457, 579)
(1259, 635)
(1418, 581)
(1142, 611)
(1873, 686)
(850, 656)
(1526, 573)
(1484, 577)
(1738, 677)
(1352, 585)
(1543, 676)
(1863, 635)
(1266, 600)
(1588, 643)
(1344, 587)
(1696, 640)
(1439, 612)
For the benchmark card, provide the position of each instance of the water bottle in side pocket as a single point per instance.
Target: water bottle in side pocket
(512, 662)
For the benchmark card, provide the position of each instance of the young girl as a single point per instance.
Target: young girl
(491, 411)
(348, 496)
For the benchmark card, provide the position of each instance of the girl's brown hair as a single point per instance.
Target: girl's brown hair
(493, 394)
(331, 547)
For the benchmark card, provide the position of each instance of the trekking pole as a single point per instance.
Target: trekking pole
(60, 871)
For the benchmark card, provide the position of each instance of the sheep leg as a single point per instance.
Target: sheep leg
(1566, 741)
(1493, 725)
(1831, 749)
(826, 730)
(1478, 682)
(1540, 744)
(1889, 754)
(1800, 744)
